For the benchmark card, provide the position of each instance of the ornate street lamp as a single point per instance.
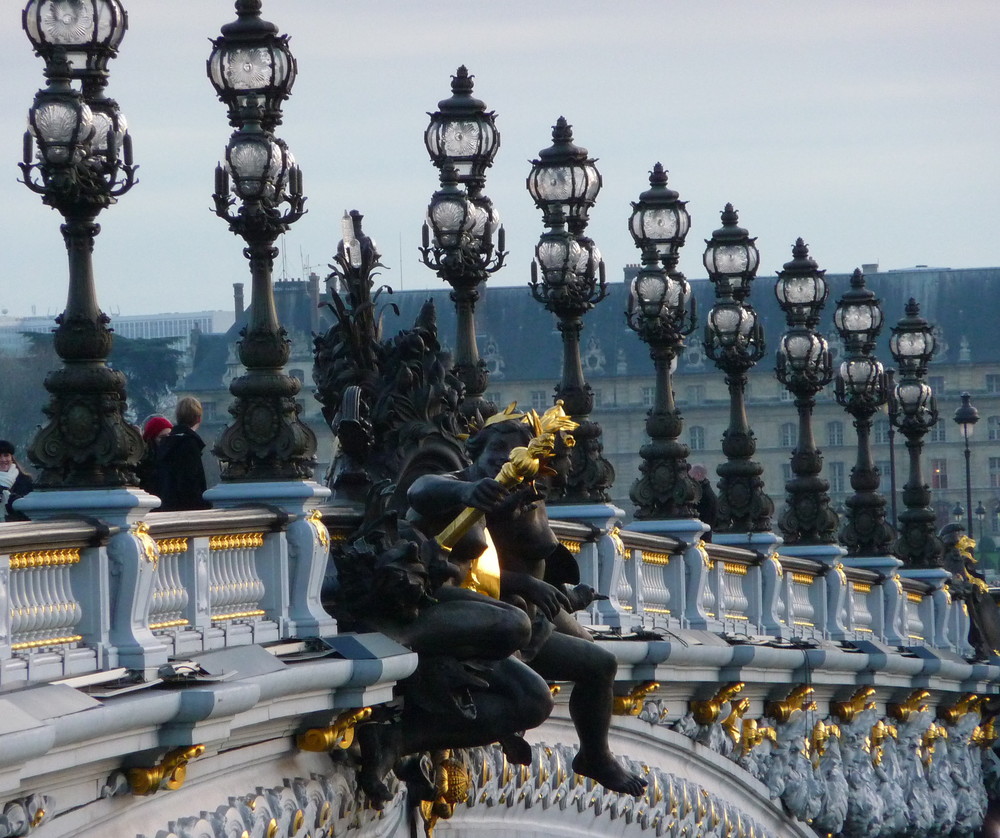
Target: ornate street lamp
(913, 411)
(661, 310)
(267, 439)
(805, 367)
(966, 417)
(564, 179)
(564, 183)
(862, 388)
(981, 517)
(86, 32)
(734, 340)
(462, 238)
(78, 157)
(250, 61)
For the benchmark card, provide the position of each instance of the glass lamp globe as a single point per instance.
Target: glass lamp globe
(564, 178)
(732, 254)
(250, 60)
(90, 31)
(462, 133)
(659, 219)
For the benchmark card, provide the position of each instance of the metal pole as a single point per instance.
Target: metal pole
(968, 479)
(892, 474)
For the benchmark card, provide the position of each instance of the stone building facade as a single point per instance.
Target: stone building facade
(521, 346)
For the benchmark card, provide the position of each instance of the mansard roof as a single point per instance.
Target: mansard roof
(520, 340)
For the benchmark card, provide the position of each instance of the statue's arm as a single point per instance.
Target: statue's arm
(548, 598)
(441, 495)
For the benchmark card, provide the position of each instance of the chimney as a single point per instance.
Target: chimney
(870, 268)
(313, 301)
(238, 300)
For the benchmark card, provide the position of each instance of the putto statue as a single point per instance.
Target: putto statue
(455, 558)
(967, 583)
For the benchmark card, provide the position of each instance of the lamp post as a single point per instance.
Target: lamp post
(252, 71)
(958, 512)
(966, 417)
(734, 340)
(564, 183)
(981, 517)
(862, 388)
(78, 157)
(661, 310)
(890, 387)
(462, 237)
(805, 367)
(913, 411)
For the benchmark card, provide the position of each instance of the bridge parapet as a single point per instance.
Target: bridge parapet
(660, 582)
(211, 579)
(81, 596)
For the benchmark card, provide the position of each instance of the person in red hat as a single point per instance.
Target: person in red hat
(156, 429)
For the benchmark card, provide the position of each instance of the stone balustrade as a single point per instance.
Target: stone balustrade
(229, 577)
(658, 582)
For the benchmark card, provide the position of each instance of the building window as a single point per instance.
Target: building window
(939, 433)
(786, 472)
(939, 474)
(993, 383)
(696, 394)
(995, 472)
(788, 435)
(783, 394)
(880, 432)
(885, 472)
(834, 433)
(836, 473)
(648, 394)
(539, 400)
(993, 427)
(697, 438)
(209, 411)
(936, 383)
(598, 398)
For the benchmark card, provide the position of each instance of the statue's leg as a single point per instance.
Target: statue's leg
(592, 671)
(517, 699)
(464, 625)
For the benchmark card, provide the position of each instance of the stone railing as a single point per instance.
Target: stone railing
(658, 582)
(80, 596)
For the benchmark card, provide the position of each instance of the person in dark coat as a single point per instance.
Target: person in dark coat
(180, 474)
(154, 431)
(708, 504)
(15, 483)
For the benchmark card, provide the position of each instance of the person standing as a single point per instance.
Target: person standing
(156, 429)
(14, 483)
(708, 503)
(180, 474)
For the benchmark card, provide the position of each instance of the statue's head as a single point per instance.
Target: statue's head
(951, 533)
(490, 446)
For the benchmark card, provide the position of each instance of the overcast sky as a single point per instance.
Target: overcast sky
(870, 129)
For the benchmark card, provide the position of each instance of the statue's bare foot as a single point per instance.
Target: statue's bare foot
(379, 744)
(516, 749)
(610, 774)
